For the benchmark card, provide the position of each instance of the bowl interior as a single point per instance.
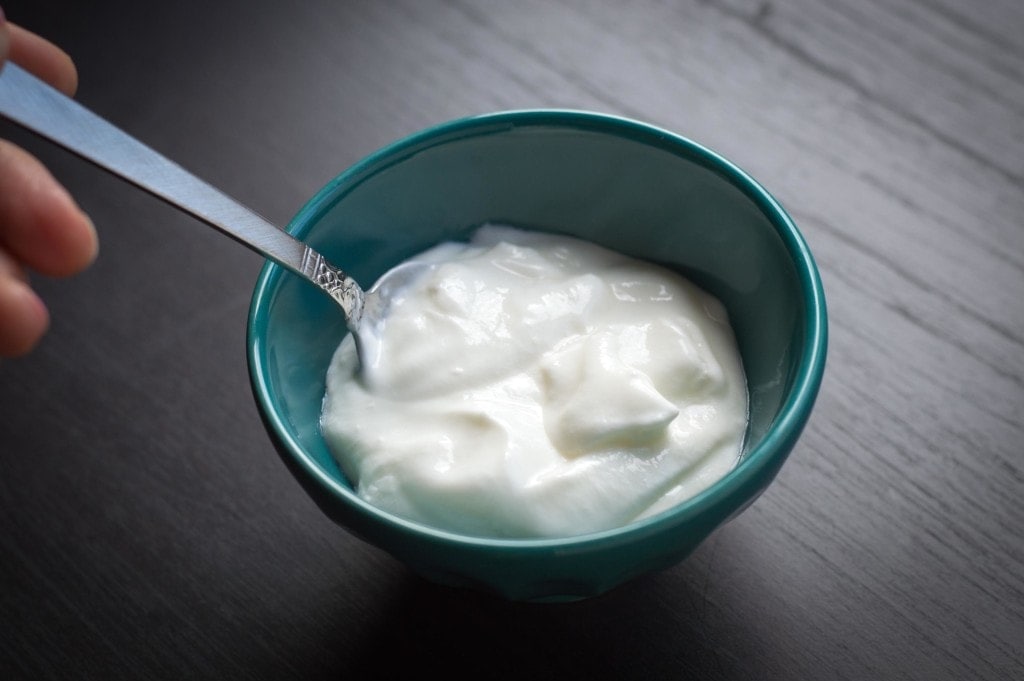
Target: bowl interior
(620, 184)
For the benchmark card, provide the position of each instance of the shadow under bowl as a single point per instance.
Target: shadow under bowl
(625, 185)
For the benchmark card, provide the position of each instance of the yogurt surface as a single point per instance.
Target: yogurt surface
(532, 385)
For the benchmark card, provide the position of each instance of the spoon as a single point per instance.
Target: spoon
(45, 111)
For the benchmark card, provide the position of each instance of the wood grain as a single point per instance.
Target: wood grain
(147, 529)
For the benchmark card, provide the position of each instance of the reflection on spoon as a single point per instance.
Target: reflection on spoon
(41, 109)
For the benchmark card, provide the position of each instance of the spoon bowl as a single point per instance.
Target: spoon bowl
(376, 303)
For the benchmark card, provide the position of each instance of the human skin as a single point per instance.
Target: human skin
(42, 229)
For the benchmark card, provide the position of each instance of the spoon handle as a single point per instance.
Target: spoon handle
(36, 106)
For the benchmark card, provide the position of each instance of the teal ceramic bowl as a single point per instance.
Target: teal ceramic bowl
(623, 184)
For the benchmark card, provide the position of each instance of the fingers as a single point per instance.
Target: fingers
(23, 317)
(41, 58)
(41, 227)
(40, 224)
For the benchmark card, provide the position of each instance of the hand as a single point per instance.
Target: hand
(41, 227)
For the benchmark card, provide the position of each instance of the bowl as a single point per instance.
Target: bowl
(623, 184)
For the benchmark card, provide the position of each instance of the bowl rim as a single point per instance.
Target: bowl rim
(770, 452)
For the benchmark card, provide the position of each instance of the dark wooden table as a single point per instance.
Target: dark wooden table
(148, 529)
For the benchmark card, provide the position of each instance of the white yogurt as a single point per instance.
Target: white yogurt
(533, 385)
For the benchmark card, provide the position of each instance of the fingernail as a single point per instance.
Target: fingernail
(2, 17)
(95, 239)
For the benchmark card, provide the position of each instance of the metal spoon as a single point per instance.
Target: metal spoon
(36, 106)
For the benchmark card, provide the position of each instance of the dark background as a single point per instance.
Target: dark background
(148, 529)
